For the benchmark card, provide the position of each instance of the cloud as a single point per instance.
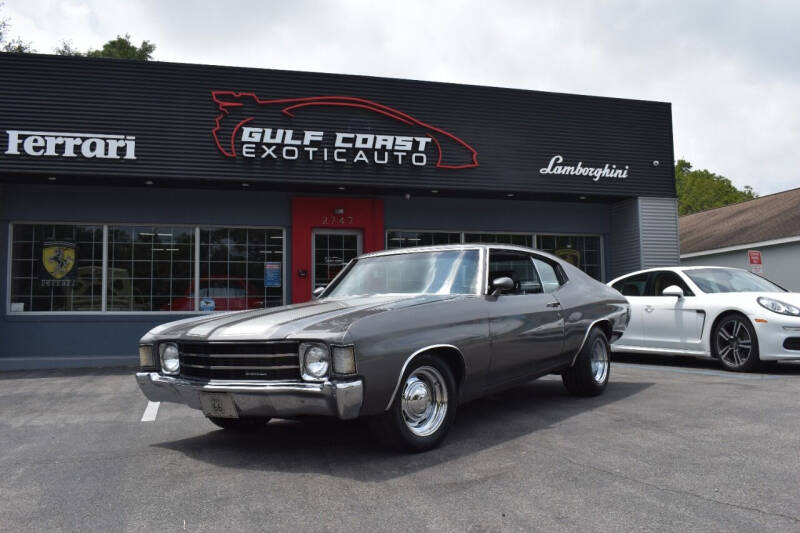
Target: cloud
(728, 68)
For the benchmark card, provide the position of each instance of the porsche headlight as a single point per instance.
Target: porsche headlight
(776, 306)
(170, 362)
(315, 361)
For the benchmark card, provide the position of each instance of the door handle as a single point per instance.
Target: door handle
(554, 304)
(649, 308)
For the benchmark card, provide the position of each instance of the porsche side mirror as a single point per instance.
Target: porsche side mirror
(500, 285)
(318, 292)
(673, 290)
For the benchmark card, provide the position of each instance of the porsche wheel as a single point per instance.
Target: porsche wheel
(589, 375)
(423, 407)
(735, 344)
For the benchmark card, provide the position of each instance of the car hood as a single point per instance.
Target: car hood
(320, 319)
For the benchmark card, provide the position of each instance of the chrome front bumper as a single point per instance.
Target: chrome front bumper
(261, 398)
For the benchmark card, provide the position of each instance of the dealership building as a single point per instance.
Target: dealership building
(135, 193)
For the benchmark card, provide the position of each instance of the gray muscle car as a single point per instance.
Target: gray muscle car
(400, 336)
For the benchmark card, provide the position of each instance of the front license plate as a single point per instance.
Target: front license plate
(218, 405)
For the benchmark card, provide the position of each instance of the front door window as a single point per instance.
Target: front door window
(332, 251)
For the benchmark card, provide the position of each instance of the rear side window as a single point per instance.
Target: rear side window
(548, 275)
(632, 285)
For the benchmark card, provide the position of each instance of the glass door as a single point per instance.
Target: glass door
(332, 250)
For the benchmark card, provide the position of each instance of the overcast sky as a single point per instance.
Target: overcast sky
(730, 69)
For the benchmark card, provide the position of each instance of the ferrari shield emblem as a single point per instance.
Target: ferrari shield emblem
(58, 258)
(570, 255)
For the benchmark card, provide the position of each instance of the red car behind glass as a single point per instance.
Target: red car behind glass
(228, 294)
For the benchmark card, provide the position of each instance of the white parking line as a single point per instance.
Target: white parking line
(150, 412)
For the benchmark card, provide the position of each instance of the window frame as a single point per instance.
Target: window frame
(105, 225)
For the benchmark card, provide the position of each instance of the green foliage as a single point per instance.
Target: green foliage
(122, 48)
(15, 45)
(66, 49)
(119, 48)
(699, 190)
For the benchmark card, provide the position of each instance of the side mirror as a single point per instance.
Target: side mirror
(673, 290)
(503, 284)
(318, 292)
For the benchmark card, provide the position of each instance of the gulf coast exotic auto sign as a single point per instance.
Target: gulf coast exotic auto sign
(253, 128)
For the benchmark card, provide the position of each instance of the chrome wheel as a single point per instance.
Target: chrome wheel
(734, 343)
(423, 402)
(599, 360)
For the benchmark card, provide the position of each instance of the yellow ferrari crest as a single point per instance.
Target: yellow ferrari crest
(58, 258)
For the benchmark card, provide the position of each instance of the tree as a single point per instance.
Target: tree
(699, 190)
(66, 49)
(122, 48)
(15, 45)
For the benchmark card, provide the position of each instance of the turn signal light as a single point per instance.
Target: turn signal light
(344, 360)
(146, 356)
(760, 320)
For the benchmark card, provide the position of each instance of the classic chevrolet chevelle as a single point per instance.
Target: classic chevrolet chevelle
(400, 336)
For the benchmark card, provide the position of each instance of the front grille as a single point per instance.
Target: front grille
(792, 343)
(259, 361)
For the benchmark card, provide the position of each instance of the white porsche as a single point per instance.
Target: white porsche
(729, 314)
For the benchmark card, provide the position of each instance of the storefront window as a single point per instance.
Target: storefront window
(150, 268)
(60, 267)
(56, 267)
(500, 238)
(581, 250)
(240, 268)
(407, 239)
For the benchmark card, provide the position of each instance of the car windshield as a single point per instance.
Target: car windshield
(443, 272)
(711, 280)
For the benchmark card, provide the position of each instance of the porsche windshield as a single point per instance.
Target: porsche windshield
(711, 280)
(443, 272)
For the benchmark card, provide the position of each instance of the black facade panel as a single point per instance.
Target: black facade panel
(170, 111)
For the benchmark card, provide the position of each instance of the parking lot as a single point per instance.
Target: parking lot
(673, 444)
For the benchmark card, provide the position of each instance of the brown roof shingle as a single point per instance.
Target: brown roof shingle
(763, 219)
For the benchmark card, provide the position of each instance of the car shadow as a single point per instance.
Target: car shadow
(684, 361)
(348, 449)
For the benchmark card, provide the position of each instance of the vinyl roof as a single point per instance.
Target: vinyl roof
(775, 216)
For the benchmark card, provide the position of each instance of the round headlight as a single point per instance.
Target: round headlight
(316, 361)
(170, 362)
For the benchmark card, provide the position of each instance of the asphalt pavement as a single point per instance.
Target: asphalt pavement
(674, 444)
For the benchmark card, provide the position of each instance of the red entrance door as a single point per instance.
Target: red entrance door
(311, 217)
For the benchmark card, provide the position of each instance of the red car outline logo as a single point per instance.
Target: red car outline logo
(224, 102)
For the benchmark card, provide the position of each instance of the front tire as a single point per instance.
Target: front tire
(589, 375)
(735, 344)
(423, 408)
(241, 425)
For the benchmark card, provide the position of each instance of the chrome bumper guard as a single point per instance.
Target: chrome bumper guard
(261, 398)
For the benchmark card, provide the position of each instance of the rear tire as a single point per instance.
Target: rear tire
(589, 375)
(242, 425)
(423, 408)
(735, 344)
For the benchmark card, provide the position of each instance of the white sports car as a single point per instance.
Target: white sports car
(726, 313)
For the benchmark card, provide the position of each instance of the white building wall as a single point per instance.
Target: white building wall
(781, 262)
